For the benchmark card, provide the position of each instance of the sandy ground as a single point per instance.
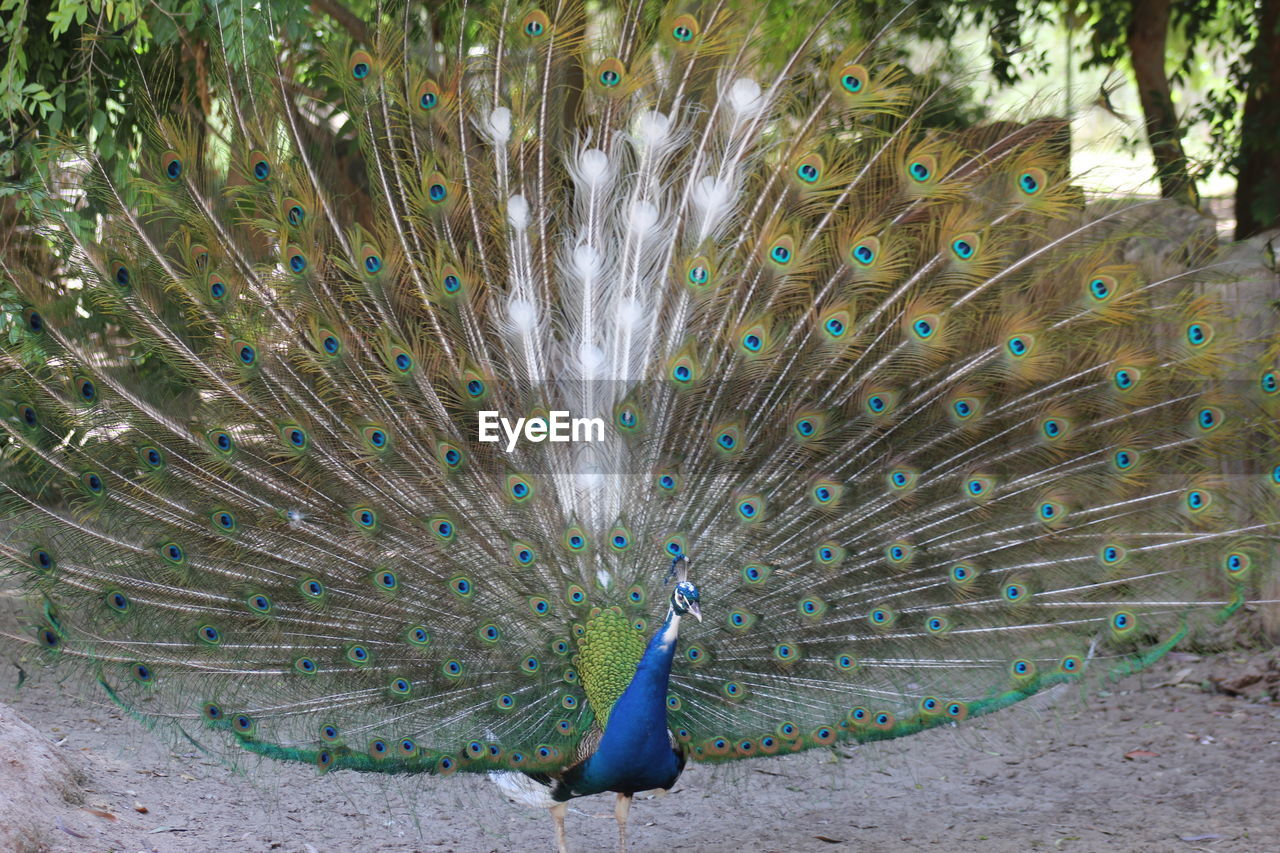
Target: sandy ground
(1163, 762)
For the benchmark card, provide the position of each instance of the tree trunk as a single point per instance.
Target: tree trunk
(1258, 163)
(1147, 37)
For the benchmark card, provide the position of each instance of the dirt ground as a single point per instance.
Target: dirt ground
(1163, 762)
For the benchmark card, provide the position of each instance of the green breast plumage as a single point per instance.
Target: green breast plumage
(608, 652)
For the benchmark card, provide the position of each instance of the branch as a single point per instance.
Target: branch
(349, 20)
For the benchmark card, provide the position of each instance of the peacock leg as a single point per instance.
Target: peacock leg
(620, 811)
(558, 812)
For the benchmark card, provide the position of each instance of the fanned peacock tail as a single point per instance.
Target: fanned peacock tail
(932, 437)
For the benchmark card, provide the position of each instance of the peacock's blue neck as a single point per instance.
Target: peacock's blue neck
(635, 752)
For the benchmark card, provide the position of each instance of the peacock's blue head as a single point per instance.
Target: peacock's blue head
(685, 598)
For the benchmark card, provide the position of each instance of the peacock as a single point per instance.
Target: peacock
(665, 388)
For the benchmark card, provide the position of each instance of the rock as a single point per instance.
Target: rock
(37, 784)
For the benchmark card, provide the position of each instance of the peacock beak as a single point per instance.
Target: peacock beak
(695, 611)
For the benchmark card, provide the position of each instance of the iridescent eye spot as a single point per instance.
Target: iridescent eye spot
(358, 654)
(1123, 621)
(1099, 289)
(490, 633)
(1197, 500)
(242, 722)
(452, 668)
(807, 172)
(961, 573)
(923, 328)
(475, 387)
(452, 284)
(372, 264)
(1270, 383)
(682, 373)
(919, 171)
(609, 77)
(877, 403)
(835, 327)
(1124, 459)
(1199, 334)
(93, 483)
(387, 580)
(217, 289)
(403, 362)
(400, 687)
(452, 457)
(1208, 418)
(296, 215)
(805, 427)
(962, 248)
(780, 254)
(419, 636)
(1028, 183)
(694, 654)
(667, 482)
(524, 556)
(260, 603)
(437, 192)
(530, 664)
(682, 34)
(1052, 428)
(747, 509)
(262, 170)
(1014, 592)
(428, 100)
(879, 616)
(360, 70)
(297, 262)
(1236, 563)
(1112, 554)
(247, 354)
(331, 344)
(935, 624)
(209, 634)
(845, 661)
(118, 601)
(698, 275)
(29, 416)
(783, 651)
(575, 542)
(1018, 346)
(312, 588)
(863, 254)
(1022, 668)
(1070, 664)
(172, 552)
(962, 408)
(1124, 379)
(752, 342)
(461, 586)
(307, 666)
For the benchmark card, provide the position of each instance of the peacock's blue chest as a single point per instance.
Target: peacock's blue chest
(635, 753)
